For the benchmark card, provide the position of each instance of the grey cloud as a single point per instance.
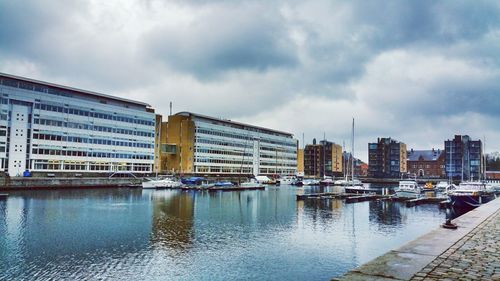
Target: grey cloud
(226, 38)
(238, 59)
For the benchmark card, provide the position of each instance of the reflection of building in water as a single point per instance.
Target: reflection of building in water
(48, 227)
(172, 219)
(324, 210)
(386, 213)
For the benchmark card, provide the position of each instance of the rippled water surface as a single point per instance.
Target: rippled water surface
(177, 235)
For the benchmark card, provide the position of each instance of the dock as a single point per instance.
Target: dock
(4, 195)
(362, 198)
(355, 198)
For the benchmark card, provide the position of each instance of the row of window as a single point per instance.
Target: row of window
(91, 166)
(74, 125)
(86, 113)
(223, 143)
(97, 154)
(279, 164)
(222, 161)
(280, 157)
(223, 152)
(279, 149)
(226, 170)
(90, 140)
(242, 137)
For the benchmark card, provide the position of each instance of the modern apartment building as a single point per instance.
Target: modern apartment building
(463, 157)
(300, 162)
(426, 163)
(203, 145)
(323, 159)
(387, 158)
(52, 128)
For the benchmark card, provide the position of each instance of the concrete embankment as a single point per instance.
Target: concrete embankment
(443, 254)
(7, 183)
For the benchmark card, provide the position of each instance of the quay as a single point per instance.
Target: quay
(470, 252)
(65, 182)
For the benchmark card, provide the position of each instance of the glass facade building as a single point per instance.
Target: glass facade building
(46, 127)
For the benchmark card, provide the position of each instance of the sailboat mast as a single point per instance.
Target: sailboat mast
(352, 153)
(451, 163)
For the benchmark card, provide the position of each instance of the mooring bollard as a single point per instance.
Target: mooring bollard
(449, 225)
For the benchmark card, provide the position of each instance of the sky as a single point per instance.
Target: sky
(417, 71)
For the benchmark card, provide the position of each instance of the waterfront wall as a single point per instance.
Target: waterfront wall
(40, 183)
(428, 250)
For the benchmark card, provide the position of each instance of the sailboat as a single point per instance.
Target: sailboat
(353, 185)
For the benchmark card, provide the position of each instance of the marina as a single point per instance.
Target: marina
(150, 234)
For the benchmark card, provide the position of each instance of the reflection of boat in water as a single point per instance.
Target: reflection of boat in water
(408, 189)
(470, 194)
(161, 183)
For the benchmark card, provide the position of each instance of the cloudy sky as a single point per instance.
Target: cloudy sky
(417, 71)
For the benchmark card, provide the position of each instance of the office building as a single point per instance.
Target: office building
(203, 145)
(48, 128)
(463, 158)
(387, 158)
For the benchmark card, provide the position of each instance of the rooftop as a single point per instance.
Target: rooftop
(229, 122)
(427, 155)
(70, 89)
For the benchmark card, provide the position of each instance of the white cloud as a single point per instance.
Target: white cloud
(419, 72)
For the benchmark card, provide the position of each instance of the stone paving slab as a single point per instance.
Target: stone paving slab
(475, 257)
(417, 259)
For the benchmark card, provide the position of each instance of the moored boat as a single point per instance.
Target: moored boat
(471, 194)
(408, 189)
(327, 181)
(161, 183)
(287, 180)
(442, 185)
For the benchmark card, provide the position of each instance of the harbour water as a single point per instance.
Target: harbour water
(177, 235)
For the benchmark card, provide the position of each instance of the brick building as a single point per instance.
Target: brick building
(387, 158)
(426, 163)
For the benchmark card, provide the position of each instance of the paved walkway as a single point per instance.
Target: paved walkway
(471, 252)
(475, 257)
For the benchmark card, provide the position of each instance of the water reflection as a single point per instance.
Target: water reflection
(386, 213)
(172, 225)
(188, 235)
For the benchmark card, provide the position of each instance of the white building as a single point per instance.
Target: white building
(200, 144)
(52, 128)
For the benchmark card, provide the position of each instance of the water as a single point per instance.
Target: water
(176, 235)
